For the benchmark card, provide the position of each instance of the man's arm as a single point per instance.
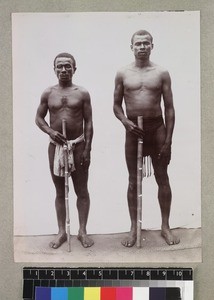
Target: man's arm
(42, 112)
(168, 107)
(118, 109)
(88, 128)
(40, 119)
(118, 98)
(169, 115)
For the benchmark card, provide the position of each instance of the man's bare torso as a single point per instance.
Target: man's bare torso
(66, 103)
(142, 90)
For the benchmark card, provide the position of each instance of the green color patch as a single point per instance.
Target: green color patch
(76, 293)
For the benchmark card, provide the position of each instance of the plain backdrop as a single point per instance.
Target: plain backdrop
(100, 43)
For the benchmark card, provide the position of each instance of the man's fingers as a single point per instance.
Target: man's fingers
(85, 165)
(136, 130)
(139, 131)
(60, 138)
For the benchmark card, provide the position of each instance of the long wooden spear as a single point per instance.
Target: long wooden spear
(65, 148)
(139, 182)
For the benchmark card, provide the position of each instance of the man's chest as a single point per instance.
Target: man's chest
(146, 80)
(65, 100)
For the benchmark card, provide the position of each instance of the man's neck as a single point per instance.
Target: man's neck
(139, 63)
(65, 84)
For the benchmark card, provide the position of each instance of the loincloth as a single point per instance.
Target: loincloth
(59, 161)
(150, 126)
(151, 146)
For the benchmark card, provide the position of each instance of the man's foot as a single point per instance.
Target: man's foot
(85, 240)
(169, 237)
(130, 240)
(58, 241)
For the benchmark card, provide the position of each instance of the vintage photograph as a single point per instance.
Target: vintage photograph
(106, 137)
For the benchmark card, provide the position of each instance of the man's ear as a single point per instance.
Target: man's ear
(131, 46)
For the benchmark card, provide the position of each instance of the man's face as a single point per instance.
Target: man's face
(142, 46)
(64, 68)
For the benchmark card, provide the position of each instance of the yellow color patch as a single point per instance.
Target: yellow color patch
(91, 293)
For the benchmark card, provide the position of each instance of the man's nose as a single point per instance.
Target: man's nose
(63, 69)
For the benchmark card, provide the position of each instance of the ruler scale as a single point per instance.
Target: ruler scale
(67, 280)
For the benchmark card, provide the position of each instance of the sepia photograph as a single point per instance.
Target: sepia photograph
(107, 137)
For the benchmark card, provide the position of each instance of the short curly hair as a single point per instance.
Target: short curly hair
(141, 32)
(65, 54)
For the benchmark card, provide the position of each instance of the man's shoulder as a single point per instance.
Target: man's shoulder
(126, 68)
(80, 89)
(122, 71)
(48, 91)
(159, 68)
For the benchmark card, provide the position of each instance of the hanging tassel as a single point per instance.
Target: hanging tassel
(147, 166)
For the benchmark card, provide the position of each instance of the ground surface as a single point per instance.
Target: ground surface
(108, 250)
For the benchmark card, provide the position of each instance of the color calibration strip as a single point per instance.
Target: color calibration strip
(50, 281)
(108, 293)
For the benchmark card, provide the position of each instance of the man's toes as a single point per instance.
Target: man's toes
(52, 245)
(85, 241)
(124, 243)
(177, 241)
(128, 243)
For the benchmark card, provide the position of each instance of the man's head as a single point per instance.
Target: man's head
(142, 44)
(141, 32)
(64, 66)
(67, 55)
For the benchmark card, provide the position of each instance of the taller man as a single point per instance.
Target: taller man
(143, 84)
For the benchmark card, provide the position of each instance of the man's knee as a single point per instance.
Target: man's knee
(133, 183)
(82, 193)
(60, 193)
(162, 179)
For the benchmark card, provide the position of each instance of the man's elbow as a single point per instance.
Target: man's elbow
(37, 120)
(115, 109)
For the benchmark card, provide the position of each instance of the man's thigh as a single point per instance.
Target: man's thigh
(58, 181)
(160, 165)
(131, 155)
(80, 175)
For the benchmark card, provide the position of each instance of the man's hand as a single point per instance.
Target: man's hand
(85, 159)
(133, 128)
(165, 152)
(57, 137)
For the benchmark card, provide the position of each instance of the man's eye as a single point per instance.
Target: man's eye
(67, 66)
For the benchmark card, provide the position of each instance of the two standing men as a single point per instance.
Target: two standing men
(142, 85)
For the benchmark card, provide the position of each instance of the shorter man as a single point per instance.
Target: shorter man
(72, 103)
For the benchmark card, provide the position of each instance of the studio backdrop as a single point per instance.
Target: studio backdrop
(100, 43)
